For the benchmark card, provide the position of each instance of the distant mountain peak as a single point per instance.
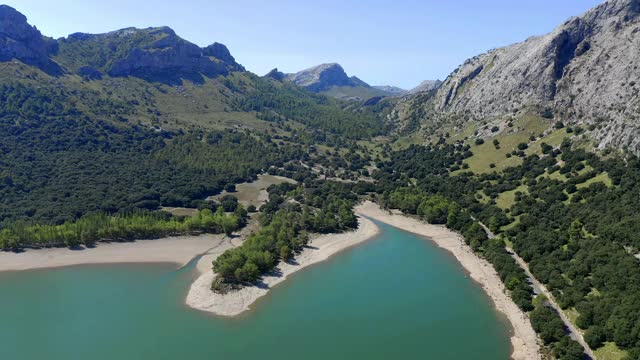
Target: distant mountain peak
(392, 90)
(276, 74)
(323, 77)
(332, 80)
(426, 85)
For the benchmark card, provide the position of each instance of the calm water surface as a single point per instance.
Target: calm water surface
(395, 297)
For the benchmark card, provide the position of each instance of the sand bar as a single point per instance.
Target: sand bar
(178, 249)
(236, 302)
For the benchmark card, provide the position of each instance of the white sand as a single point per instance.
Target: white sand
(524, 339)
(179, 250)
(236, 302)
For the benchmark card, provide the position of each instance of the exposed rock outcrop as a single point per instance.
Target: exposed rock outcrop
(426, 85)
(155, 54)
(276, 75)
(166, 56)
(391, 90)
(21, 41)
(220, 51)
(585, 72)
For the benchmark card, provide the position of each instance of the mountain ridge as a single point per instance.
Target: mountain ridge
(324, 76)
(332, 80)
(155, 53)
(581, 73)
(19, 40)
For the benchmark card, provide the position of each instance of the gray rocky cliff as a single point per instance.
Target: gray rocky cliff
(21, 41)
(586, 72)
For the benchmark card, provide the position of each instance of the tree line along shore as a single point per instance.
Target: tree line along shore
(570, 214)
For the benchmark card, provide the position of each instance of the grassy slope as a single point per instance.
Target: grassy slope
(506, 199)
(211, 105)
(509, 138)
(603, 178)
(610, 352)
(206, 106)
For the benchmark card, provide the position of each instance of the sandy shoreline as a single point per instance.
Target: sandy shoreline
(524, 339)
(234, 303)
(179, 250)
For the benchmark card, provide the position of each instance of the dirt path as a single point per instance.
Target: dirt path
(539, 288)
(575, 333)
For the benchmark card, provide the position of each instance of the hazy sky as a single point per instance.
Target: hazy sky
(399, 42)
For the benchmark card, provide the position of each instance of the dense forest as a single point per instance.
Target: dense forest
(58, 165)
(330, 120)
(292, 213)
(576, 233)
(136, 225)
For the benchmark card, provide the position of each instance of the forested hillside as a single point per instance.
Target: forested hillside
(288, 218)
(570, 214)
(140, 118)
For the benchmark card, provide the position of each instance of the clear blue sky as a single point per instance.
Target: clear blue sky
(399, 42)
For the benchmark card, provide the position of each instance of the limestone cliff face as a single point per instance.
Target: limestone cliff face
(219, 51)
(21, 41)
(585, 71)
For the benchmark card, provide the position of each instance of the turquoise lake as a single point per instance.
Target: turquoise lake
(397, 296)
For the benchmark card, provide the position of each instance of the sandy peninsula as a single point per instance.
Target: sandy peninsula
(234, 303)
(179, 250)
(524, 339)
(182, 249)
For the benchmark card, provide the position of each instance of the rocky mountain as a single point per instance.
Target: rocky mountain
(332, 80)
(21, 41)
(426, 85)
(156, 54)
(323, 77)
(391, 90)
(276, 75)
(584, 72)
(154, 79)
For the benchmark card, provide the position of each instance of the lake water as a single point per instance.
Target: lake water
(397, 296)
